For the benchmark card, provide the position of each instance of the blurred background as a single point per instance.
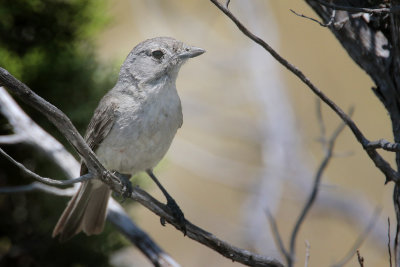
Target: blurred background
(249, 141)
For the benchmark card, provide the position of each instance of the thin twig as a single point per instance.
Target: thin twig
(339, 24)
(393, 9)
(307, 259)
(276, 234)
(321, 123)
(384, 144)
(40, 140)
(389, 245)
(380, 163)
(46, 180)
(64, 125)
(11, 139)
(360, 239)
(311, 199)
(329, 23)
(360, 259)
(36, 186)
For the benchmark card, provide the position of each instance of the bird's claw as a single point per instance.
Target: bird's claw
(177, 214)
(127, 188)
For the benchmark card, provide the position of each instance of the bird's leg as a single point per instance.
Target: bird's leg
(171, 204)
(126, 183)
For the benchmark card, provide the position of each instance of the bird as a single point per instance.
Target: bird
(131, 130)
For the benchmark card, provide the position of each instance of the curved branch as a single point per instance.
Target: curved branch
(35, 136)
(46, 180)
(380, 163)
(36, 186)
(64, 125)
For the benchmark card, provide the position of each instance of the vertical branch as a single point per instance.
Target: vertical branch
(311, 199)
(389, 245)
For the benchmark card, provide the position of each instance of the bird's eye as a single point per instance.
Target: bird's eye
(157, 54)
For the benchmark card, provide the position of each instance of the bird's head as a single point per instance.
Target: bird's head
(157, 58)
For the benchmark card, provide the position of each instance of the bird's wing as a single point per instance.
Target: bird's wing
(99, 127)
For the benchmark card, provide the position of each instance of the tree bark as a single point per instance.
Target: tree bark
(372, 41)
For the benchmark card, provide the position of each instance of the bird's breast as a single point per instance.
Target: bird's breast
(141, 134)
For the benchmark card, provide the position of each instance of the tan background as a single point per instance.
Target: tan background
(249, 133)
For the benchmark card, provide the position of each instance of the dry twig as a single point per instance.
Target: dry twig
(380, 163)
(64, 125)
(329, 23)
(32, 134)
(360, 259)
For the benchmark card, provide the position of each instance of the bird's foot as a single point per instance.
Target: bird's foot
(177, 214)
(127, 188)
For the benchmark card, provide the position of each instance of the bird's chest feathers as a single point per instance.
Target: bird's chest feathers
(141, 137)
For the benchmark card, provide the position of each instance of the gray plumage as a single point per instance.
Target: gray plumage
(132, 127)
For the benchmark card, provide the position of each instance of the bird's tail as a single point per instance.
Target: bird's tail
(86, 211)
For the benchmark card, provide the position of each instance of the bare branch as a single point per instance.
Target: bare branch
(34, 135)
(62, 122)
(383, 144)
(311, 199)
(307, 259)
(393, 9)
(196, 233)
(64, 125)
(36, 186)
(227, 3)
(137, 236)
(46, 180)
(389, 245)
(277, 236)
(339, 23)
(360, 259)
(11, 139)
(380, 163)
(329, 23)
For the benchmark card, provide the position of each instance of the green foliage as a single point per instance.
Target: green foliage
(48, 44)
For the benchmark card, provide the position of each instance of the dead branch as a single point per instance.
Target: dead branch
(35, 136)
(45, 180)
(64, 125)
(380, 163)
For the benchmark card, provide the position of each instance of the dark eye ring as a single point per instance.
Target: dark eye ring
(157, 54)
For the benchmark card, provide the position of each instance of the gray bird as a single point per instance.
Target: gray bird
(131, 129)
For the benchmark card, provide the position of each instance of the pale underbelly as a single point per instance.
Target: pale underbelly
(134, 153)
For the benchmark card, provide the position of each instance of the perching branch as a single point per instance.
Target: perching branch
(36, 186)
(360, 259)
(329, 23)
(64, 125)
(380, 163)
(277, 235)
(34, 135)
(46, 180)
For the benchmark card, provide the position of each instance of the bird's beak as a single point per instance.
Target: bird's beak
(191, 51)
